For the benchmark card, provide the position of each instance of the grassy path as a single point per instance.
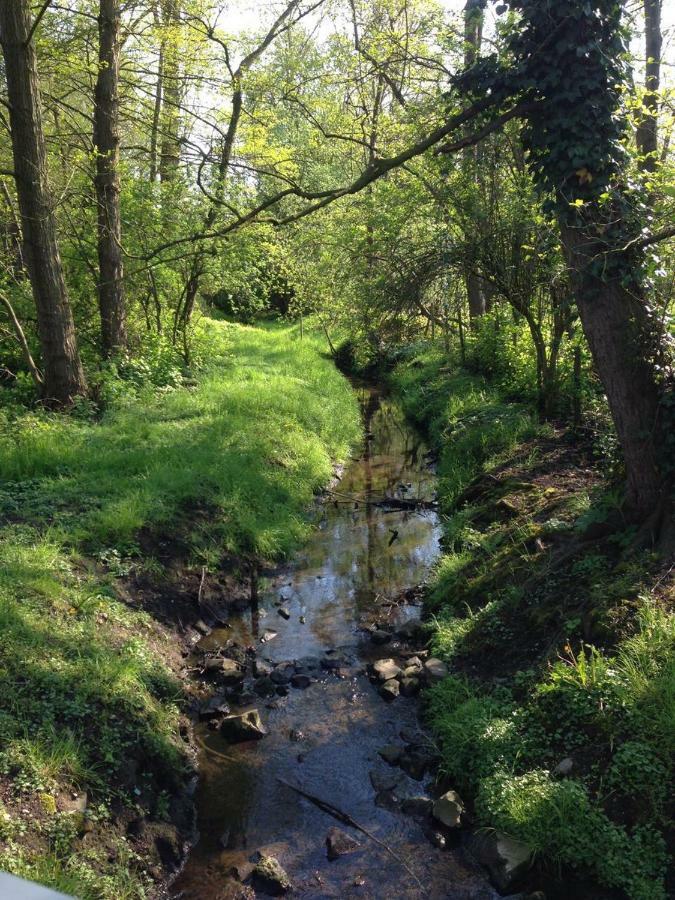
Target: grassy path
(89, 698)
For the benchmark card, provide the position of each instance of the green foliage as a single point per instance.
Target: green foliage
(558, 820)
(85, 699)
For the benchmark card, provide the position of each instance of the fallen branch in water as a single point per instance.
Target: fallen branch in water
(346, 819)
(401, 503)
(391, 502)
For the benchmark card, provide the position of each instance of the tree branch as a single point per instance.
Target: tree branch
(21, 338)
(36, 23)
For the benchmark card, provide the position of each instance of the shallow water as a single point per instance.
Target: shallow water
(341, 580)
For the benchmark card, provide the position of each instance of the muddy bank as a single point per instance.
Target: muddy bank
(309, 707)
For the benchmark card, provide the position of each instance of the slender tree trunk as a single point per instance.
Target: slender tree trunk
(647, 132)
(156, 114)
(159, 93)
(615, 322)
(107, 181)
(169, 161)
(21, 338)
(63, 375)
(473, 33)
(475, 295)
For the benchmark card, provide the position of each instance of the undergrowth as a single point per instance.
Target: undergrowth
(559, 716)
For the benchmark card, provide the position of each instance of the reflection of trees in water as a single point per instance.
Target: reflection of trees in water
(370, 409)
(392, 454)
(401, 445)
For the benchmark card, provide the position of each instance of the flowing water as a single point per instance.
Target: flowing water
(325, 739)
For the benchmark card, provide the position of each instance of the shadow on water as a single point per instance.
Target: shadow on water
(357, 555)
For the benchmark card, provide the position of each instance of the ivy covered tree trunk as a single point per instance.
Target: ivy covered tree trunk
(617, 329)
(63, 374)
(107, 148)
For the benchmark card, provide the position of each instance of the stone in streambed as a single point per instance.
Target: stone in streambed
(435, 670)
(261, 668)
(390, 690)
(505, 858)
(339, 843)
(284, 612)
(264, 687)
(414, 764)
(269, 877)
(214, 707)
(417, 806)
(391, 754)
(229, 671)
(283, 673)
(437, 839)
(385, 669)
(308, 665)
(448, 809)
(410, 686)
(245, 727)
(411, 672)
(379, 636)
(301, 681)
(384, 781)
(333, 663)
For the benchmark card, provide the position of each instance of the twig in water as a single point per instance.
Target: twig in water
(201, 586)
(346, 819)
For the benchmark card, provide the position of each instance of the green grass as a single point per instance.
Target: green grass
(465, 417)
(88, 701)
(251, 443)
(539, 690)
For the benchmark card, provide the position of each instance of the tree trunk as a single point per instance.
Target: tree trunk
(63, 375)
(476, 297)
(169, 160)
(107, 181)
(647, 132)
(615, 323)
(473, 32)
(156, 113)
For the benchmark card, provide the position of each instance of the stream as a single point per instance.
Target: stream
(325, 739)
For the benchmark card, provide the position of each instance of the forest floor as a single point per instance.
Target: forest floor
(558, 719)
(110, 530)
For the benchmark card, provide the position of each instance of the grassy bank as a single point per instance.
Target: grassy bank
(558, 718)
(92, 754)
